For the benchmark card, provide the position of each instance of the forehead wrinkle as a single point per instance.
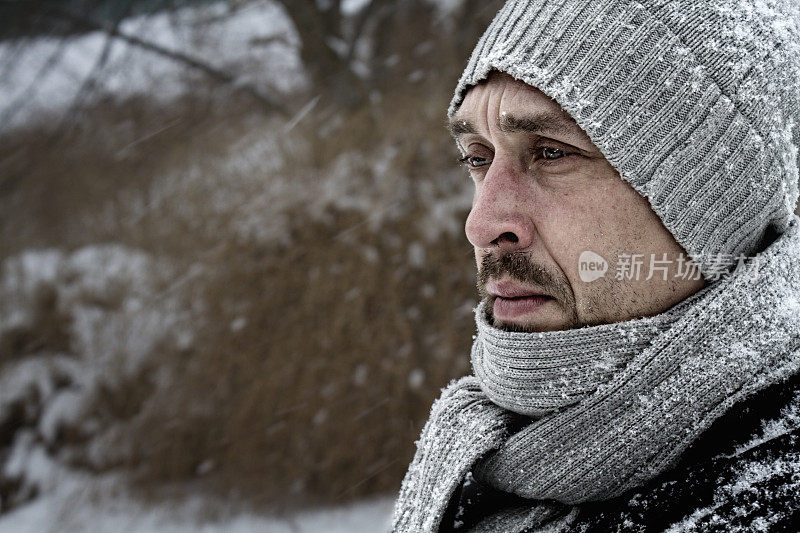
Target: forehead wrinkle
(536, 123)
(545, 122)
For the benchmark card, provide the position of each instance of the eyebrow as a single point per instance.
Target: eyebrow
(536, 123)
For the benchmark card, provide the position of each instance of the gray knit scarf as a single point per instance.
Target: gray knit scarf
(606, 408)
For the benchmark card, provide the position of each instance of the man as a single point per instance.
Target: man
(637, 362)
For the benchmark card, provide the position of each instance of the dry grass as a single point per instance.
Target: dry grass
(313, 395)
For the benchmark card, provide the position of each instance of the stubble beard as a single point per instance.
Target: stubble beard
(523, 269)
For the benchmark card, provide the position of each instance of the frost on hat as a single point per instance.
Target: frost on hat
(695, 102)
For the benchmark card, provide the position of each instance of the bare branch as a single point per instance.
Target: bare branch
(212, 72)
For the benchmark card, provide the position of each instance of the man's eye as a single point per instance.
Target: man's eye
(551, 153)
(472, 161)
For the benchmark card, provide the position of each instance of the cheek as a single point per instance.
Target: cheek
(593, 232)
(609, 217)
(579, 223)
(571, 223)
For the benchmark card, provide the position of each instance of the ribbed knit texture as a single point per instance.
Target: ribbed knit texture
(523, 373)
(733, 339)
(694, 102)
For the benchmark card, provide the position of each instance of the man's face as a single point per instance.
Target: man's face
(544, 195)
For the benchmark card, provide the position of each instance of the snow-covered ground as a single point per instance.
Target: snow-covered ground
(75, 508)
(113, 306)
(77, 502)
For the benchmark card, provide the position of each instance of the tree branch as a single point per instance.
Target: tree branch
(212, 72)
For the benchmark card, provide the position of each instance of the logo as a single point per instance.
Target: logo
(591, 266)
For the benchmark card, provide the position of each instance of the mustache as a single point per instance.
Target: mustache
(520, 268)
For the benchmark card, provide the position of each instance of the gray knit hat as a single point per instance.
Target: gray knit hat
(695, 102)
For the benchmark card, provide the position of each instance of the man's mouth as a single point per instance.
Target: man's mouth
(514, 301)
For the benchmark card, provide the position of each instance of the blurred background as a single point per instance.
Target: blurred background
(233, 275)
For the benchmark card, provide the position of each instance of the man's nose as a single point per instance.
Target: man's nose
(499, 219)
